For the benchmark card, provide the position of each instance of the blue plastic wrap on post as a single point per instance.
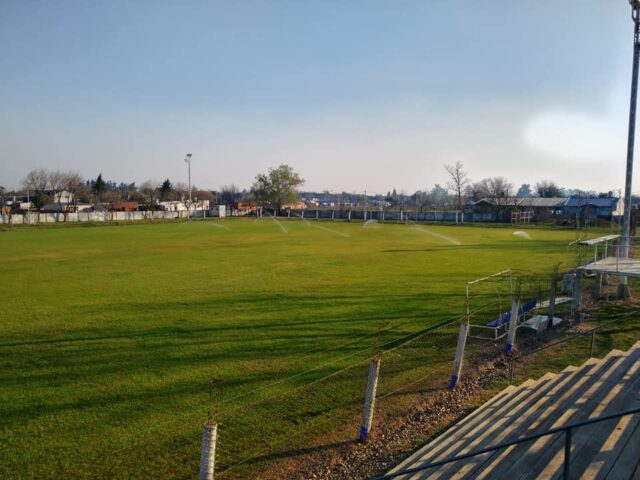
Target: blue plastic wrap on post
(454, 382)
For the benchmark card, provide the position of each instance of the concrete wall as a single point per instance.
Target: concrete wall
(324, 214)
(39, 218)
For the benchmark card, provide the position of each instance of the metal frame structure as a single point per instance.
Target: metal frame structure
(521, 217)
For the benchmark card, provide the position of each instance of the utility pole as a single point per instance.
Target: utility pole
(187, 160)
(623, 287)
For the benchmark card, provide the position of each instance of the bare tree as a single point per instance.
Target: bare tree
(150, 190)
(36, 182)
(58, 184)
(547, 189)
(181, 194)
(76, 187)
(228, 194)
(457, 182)
(65, 186)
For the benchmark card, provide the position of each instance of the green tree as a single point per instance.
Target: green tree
(165, 189)
(99, 186)
(277, 187)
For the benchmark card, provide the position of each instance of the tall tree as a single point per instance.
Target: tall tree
(229, 194)
(457, 182)
(524, 191)
(548, 189)
(36, 182)
(99, 187)
(150, 192)
(76, 187)
(165, 189)
(277, 187)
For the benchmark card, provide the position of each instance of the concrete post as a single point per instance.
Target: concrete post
(577, 298)
(349, 216)
(383, 216)
(289, 213)
(370, 398)
(208, 455)
(317, 214)
(597, 287)
(365, 216)
(552, 302)
(513, 325)
(302, 211)
(457, 362)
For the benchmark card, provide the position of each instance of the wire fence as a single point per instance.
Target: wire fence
(321, 403)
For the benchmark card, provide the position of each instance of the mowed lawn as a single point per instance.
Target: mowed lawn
(110, 334)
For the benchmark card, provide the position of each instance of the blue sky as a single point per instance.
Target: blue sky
(354, 95)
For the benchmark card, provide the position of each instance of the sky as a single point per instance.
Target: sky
(354, 95)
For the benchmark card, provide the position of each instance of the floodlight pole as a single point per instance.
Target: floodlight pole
(623, 287)
(187, 160)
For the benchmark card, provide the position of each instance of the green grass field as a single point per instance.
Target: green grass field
(109, 334)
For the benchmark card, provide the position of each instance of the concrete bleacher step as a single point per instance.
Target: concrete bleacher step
(525, 458)
(608, 450)
(546, 405)
(599, 446)
(462, 427)
(549, 406)
(532, 391)
(549, 462)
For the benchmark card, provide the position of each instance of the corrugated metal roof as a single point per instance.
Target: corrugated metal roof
(609, 202)
(534, 202)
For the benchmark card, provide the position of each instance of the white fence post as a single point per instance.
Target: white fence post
(208, 455)
(370, 398)
(513, 325)
(457, 363)
(551, 311)
(577, 298)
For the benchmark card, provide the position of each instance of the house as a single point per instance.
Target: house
(181, 206)
(244, 208)
(595, 207)
(549, 207)
(218, 211)
(125, 207)
(294, 206)
(62, 197)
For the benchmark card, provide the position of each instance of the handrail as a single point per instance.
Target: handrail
(567, 451)
(591, 332)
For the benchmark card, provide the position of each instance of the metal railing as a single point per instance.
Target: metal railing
(568, 429)
(591, 332)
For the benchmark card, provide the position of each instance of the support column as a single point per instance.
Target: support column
(597, 287)
(513, 325)
(370, 398)
(208, 455)
(551, 311)
(577, 298)
(457, 362)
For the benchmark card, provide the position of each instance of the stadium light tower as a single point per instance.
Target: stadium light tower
(187, 160)
(623, 287)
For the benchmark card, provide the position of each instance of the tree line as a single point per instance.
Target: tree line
(276, 188)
